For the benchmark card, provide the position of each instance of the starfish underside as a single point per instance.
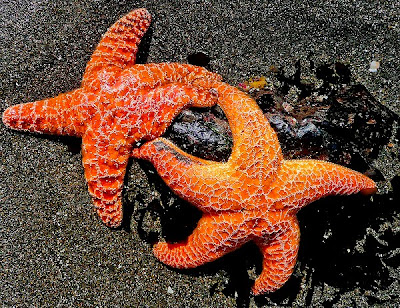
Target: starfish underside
(118, 104)
(255, 195)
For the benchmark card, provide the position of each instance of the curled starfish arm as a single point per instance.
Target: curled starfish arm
(212, 186)
(159, 106)
(256, 151)
(301, 182)
(61, 115)
(119, 45)
(279, 257)
(214, 236)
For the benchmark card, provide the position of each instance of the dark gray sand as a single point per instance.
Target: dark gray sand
(56, 252)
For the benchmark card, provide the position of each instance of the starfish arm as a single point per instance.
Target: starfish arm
(301, 182)
(279, 257)
(156, 108)
(256, 150)
(119, 45)
(61, 115)
(214, 236)
(210, 186)
(152, 75)
(105, 155)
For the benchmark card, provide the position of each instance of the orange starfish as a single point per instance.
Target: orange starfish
(254, 196)
(118, 104)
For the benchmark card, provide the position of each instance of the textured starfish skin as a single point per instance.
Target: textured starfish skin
(255, 195)
(118, 104)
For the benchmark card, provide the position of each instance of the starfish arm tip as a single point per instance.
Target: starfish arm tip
(369, 190)
(119, 45)
(110, 214)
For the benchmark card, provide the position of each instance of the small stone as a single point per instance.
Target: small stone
(374, 66)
